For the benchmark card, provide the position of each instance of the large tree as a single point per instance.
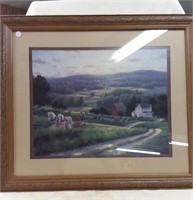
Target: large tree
(162, 106)
(131, 105)
(41, 87)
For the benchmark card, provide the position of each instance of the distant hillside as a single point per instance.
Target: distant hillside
(148, 79)
(149, 73)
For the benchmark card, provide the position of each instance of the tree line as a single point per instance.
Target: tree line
(130, 98)
(42, 95)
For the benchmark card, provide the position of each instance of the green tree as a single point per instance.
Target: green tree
(153, 103)
(41, 87)
(162, 106)
(131, 105)
(58, 105)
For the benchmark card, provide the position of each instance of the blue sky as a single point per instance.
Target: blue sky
(63, 63)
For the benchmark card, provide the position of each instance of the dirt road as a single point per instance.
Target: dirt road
(130, 145)
(102, 147)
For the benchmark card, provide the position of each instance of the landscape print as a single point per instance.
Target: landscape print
(85, 104)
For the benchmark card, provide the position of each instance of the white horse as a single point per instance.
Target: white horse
(51, 117)
(69, 122)
(60, 118)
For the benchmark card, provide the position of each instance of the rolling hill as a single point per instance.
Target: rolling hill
(148, 79)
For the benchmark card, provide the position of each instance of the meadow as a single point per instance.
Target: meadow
(50, 139)
(159, 143)
(89, 100)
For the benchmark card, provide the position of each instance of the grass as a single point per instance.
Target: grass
(49, 139)
(159, 143)
(154, 124)
(53, 139)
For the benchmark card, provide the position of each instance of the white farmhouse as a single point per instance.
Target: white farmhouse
(142, 110)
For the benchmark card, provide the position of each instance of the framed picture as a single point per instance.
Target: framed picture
(80, 109)
(96, 102)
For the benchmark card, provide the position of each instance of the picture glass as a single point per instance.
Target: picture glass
(92, 102)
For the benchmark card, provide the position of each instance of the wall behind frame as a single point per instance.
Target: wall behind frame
(98, 195)
(10, 10)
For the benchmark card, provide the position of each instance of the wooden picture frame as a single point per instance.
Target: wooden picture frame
(15, 176)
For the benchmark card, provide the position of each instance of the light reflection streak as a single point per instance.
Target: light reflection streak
(179, 143)
(137, 151)
(141, 40)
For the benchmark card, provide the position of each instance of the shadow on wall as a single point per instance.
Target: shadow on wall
(187, 5)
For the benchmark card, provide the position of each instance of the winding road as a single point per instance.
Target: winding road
(108, 147)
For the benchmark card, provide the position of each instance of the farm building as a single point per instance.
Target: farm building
(143, 110)
(118, 109)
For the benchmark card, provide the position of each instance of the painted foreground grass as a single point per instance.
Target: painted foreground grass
(159, 143)
(53, 139)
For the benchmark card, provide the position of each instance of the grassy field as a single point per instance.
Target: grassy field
(159, 143)
(50, 139)
(101, 109)
(93, 96)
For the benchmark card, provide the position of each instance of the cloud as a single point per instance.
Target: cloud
(58, 74)
(89, 66)
(37, 73)
(134, 59)
(70, 67)
(77, 51)
(39, 60)
(58, 60)
(162, 68)
(53, 66)
(163, 56)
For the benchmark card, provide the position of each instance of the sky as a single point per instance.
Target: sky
(68, 62)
